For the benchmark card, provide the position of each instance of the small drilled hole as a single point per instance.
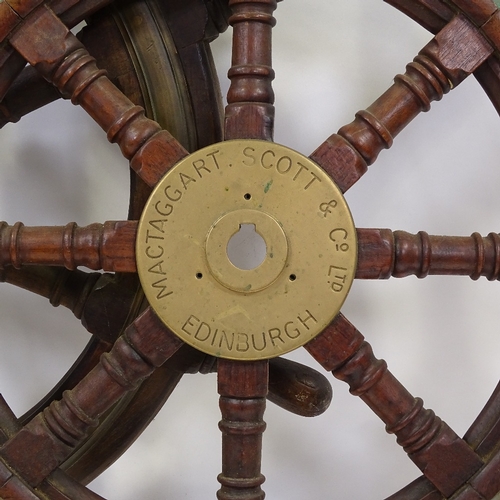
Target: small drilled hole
(247, 196)
(292, 277)
(199, 276)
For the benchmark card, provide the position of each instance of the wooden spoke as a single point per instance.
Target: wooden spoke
(445, 459)
(72, 12)
(383, 253)
(72, 70)
(440, 66)
(58, 485)
(11, 64)
(60, 286)
(109, 246)
(243, 388)
(29, 92)
(250, 110)
(297, 388)
(52, 435)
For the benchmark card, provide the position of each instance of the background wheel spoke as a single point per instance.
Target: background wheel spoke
(52, 436)
(440, 65)
(11, 64)
(109, 246)
(60, 286)
(383, 253)
(445, 459)
(28, 93)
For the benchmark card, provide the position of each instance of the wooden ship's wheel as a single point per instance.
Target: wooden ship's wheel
(171, 300)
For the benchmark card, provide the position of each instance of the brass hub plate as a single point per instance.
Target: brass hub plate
(310, 250)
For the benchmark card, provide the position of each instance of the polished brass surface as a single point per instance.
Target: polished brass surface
(310, 250)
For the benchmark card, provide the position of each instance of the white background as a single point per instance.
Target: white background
(439, 335)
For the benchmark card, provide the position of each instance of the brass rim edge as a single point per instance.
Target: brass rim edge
(163, 85)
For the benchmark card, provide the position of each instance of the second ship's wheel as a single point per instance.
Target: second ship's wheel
(245, 317)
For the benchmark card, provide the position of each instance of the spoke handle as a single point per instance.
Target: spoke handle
(243, 387)
(250, 111)
(62, 59)
(109, 246)
(383, 253)
(441, 65)
(51, 437)
(341, 348)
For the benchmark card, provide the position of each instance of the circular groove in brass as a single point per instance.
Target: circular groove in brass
(257, 313)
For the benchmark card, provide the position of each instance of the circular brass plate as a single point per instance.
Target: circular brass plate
(310, 256)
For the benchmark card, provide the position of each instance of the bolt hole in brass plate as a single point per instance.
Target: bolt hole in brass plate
(310, 250)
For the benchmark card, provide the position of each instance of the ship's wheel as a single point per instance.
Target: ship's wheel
(178, 300)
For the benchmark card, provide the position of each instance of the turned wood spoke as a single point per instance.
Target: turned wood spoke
(243, 388)
(11, 62)
(63, 60)
(457, 51)
(445, 459)
(109, 246)
(30, 83)
(383, 253)
(49, 439)
(60, 286)
(250, 111)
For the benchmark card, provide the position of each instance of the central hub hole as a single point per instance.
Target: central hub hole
(246, 249)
